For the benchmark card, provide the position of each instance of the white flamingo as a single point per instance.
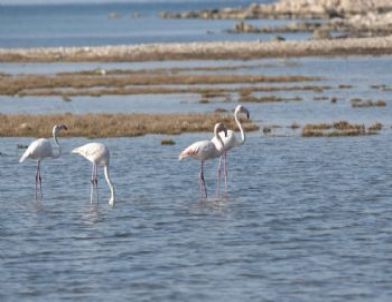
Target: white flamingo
(230, 141)
(41, 149)
(99, 155)
(205, 150)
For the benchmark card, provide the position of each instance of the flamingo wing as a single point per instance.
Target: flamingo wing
(38, 149)
(201, 150)
(95, 152)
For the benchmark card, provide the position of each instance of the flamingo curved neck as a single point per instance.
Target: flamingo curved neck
(110, 184)
(237, 121)
(56, 142)
(219, 138)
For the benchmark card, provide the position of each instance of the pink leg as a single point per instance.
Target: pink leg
(94, 183)
(40, 178)
(37, 181)
(202, 181)
(225, 169)
(95, 175)
(219, 177)
(94, 179)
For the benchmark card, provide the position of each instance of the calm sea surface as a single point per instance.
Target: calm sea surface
(303, 220)
(90, 25)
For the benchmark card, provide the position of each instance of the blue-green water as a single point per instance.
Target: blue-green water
(304, 220)
(89, 25)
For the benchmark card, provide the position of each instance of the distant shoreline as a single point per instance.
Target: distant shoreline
(201, 50)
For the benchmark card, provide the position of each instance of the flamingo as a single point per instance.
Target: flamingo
(230, 141)
(98, 154)
(205, 150)
(41, 149)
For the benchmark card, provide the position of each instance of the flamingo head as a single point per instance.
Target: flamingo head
(242, 109)
(57, 128)
(220, 127)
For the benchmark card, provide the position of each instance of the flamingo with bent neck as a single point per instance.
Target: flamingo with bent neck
(205, 150)
(230, 141)
(98, 154)
(41, 149)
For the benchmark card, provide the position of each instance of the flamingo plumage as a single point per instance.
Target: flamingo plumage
(39, 150)
(205, 150)
(230, 141)
(99, 155)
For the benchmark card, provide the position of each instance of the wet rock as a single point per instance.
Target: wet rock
(288, 9)
(21, 146)
(321, 34)
(114, 15)
(279, 39)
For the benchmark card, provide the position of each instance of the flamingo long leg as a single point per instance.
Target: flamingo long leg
(202, 181)
(38, 186)
(219, 177)
(94, 183)
(95, 175)
(92, 175)
(225, 169)
(37, 181)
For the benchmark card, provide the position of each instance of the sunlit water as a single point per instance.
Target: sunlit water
(134, 22)
(303, 220)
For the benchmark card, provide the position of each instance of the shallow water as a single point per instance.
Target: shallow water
(304, 220)
(359, 72)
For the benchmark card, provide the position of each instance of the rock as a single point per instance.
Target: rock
(278, 39)
(114, 15)
(311, 9)
(21, 146)
(321, 34)
(243, 27)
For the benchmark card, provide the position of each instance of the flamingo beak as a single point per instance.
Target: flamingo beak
(246, 112)
(64, 127)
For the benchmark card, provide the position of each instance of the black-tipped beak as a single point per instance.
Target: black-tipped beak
(225, 132)
(65, 127)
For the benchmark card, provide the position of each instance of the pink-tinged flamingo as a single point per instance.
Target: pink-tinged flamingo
(99, 155)
(205, 150)
(230, 141)
(41, 149)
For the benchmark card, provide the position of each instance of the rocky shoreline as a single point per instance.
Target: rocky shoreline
(290, 9)
(202, 51)
(350, 18)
